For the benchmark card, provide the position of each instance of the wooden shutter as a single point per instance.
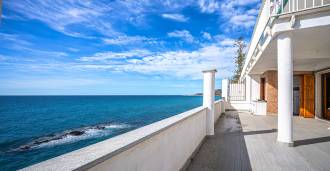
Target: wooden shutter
(308, 98)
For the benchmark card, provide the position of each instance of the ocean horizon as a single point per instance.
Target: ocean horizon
(40, 127)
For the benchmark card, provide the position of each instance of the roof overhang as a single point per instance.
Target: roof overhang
(311, 40)
(311, 51)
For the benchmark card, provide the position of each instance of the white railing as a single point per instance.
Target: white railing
(165, 145)
(281, 7)
(269, 12)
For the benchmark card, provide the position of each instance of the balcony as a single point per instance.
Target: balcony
(273, 14)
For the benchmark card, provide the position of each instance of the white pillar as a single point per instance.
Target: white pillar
(208, 99)
(224, 89)
(318, 95)
(285, 92)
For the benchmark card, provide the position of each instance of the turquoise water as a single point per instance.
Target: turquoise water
(36, 128)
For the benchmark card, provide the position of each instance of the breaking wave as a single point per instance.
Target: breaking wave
(74, 135)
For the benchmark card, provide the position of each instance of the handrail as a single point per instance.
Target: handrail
(295, 5)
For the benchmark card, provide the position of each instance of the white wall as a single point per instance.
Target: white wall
(250, 90)
(163, 146)
(218, 109)
(255, 87)
(238, 105)
(166, 151)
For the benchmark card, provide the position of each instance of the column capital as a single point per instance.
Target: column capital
(210, 70)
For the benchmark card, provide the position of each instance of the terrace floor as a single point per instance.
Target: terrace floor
(247, 142)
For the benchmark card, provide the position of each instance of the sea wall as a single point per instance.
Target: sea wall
(165, 145)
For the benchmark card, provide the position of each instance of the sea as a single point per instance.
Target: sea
(37, 128)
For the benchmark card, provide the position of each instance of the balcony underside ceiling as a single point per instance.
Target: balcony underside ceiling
(311, 51)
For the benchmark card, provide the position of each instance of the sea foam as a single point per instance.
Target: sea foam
(74, 135)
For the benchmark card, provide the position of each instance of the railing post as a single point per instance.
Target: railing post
(208, 99)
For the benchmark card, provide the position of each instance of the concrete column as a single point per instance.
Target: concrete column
(208, 99)
(285, 92)
(318, 95)
(224, 89)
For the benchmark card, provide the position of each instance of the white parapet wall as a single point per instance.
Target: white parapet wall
(238, 105)
(219, 108)
(165, 145)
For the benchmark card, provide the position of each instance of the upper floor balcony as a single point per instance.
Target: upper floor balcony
(277, 16)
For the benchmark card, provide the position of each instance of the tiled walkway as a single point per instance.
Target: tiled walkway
(246, 142)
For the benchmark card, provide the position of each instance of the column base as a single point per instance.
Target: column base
(288, 144)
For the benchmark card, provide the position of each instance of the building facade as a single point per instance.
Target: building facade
(287, 67)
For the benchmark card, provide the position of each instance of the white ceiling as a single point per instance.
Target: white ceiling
(311, 51)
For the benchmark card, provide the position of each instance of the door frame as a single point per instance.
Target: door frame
(325, 111)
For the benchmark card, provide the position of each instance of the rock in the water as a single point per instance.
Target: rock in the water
(76, 133)
(100, 127)
(25, 147)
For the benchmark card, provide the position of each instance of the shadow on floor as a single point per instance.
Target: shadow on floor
(226, 150)
(259, 132)
(311, 141)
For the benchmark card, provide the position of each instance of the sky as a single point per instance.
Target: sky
(119, 47)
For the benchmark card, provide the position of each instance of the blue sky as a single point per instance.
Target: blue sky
(110, 47)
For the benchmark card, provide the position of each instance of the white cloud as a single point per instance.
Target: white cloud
(253, 11)
(19, 43)
(183, 34)
(65, 16)
(207, 35)
(123, 40)
(14, 38)
(243, 2)
(227, 42)
(176, 17)
(53, 83)
(3, 58)
(73, 49)
(239, 14)
(187, 64)
(104, 56)
(243, 20)
(208, 6)
(93, 16)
